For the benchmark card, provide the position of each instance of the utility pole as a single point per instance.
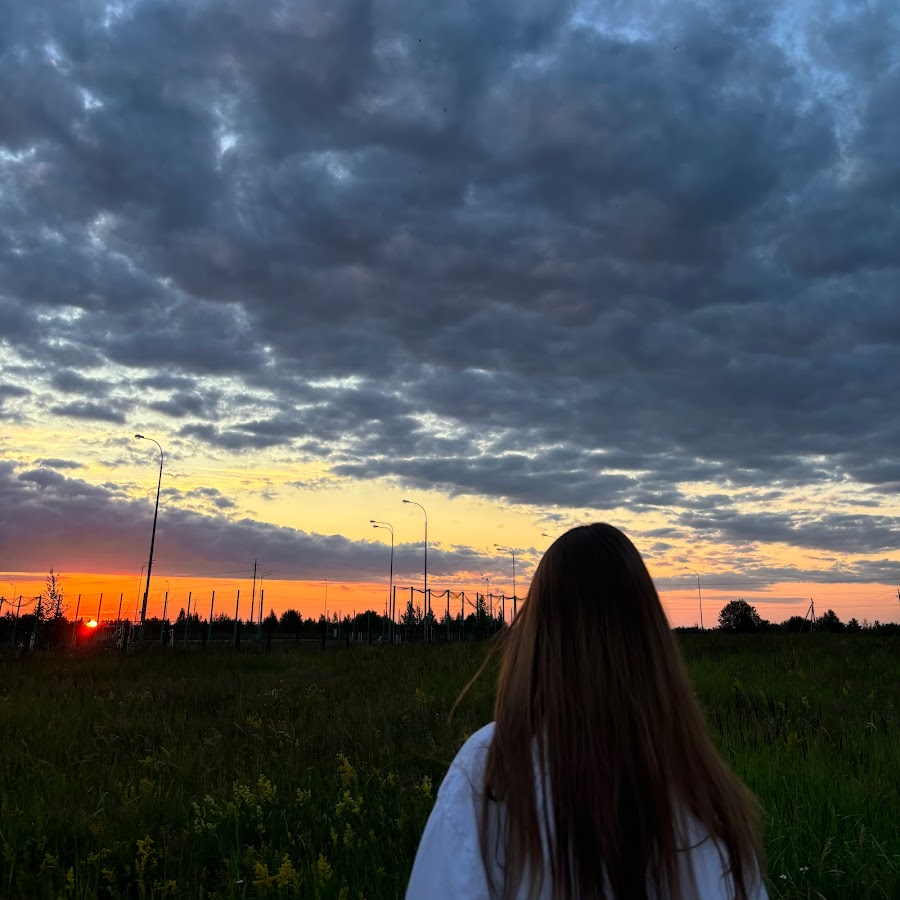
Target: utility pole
(811, 612)
(16, 621)
(162, 624)
(253, 596)
(152, 533)
(187, 620)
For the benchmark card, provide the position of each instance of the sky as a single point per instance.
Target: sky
(529, 263)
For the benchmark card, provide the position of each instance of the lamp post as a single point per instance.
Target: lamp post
(388, 527)
(141, 437)
(699, 595)
(425, 589)
(510, 550)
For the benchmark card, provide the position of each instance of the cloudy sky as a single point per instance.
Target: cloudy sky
(528, 262)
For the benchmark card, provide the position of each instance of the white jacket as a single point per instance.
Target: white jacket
(449, 864)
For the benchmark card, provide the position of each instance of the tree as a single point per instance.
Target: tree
(829, 621)
(52, 601)
(291, 622)
(739, 617)
(270, 623)
(795, 624)
(853, 625)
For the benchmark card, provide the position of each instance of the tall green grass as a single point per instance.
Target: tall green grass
(311, 774)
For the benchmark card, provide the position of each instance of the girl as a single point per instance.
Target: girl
(597, 777)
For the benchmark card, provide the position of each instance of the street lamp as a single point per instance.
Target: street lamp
(425, 591)
(487, 591)
(141, 437)
(699, 595)
(388, 527)
(510, 550)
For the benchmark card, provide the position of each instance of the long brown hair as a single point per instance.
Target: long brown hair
(592, 686)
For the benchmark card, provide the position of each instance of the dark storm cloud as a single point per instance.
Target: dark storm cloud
(71, 524)
(97, 412)
(12, 390)
(847, 533)
(186, 403)
(54, 463)
(206, 495)
(71, 382)
(513, 235)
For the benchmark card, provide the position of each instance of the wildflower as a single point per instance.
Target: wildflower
(323, 867)
(345, 770)
(262, 879)
(804, 868)
(287, 875)
(266, 790)
(145, 854)
(424, 787)
(348, 804)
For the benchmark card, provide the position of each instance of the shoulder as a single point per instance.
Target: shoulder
(448, 863)
(464, 781)
(472, 756)
(706, 873)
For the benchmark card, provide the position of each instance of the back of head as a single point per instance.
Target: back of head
(593, 690)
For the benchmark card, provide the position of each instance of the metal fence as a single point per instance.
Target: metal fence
(444, 616)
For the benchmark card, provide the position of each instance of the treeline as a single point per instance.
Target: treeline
(739, 617)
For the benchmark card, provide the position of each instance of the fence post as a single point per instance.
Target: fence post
(187, 619)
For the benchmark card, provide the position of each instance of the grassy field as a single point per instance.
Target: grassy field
(223, 774)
